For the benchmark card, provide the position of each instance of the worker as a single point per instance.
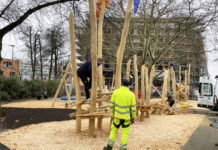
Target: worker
(123, 108)
(85, 72)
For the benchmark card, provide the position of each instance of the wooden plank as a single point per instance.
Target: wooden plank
(186, 87)
(121, 48)
(74, 67)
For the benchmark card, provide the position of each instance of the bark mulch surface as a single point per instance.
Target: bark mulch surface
(18, 117)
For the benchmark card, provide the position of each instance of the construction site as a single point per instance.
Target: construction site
(170, 68)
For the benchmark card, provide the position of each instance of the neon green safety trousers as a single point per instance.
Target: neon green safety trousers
(125, 131)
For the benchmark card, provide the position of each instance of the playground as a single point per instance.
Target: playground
(168, 132)
(84, 123)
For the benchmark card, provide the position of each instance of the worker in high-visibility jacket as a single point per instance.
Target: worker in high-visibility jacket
(123, 108)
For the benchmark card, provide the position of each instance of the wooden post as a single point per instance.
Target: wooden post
(122, 44)
(142, 89)
(150, 83)
(164, 91)
(128, 69)
(174, 84)
(94, 66)
(146, 84)
(186, 86)
(60, 85)
(74, 67)
(136, 78)
(189, 82)
(100, 39)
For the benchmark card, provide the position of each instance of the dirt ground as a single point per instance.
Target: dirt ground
(159, 132)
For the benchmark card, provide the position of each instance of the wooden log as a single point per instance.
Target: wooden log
(146, 84)
(189, 83)
(121, 48)
(136, 81)
(60, 85)
(74, 67)
(94, 66)
(143, 84)
(164, 91)
(150, 83)
(186, 87)
(142, 89)
(174, 85)
(128, 69)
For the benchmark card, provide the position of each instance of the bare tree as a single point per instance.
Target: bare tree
(54, 38)
(14, 12)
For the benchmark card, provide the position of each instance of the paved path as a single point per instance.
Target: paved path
(204, 137)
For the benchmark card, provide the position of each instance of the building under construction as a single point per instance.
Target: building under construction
(164, 43)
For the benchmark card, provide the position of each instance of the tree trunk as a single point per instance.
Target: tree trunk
(40, 57)
(1, 38)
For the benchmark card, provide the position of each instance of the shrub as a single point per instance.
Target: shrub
(51, 86)
(4, 96)
(33, 87)
(11, 86)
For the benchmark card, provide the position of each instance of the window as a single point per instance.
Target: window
(7, 64)
(206, 89)
(12, 74)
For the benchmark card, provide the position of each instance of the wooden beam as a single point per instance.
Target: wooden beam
(142, 89)
(164, 91)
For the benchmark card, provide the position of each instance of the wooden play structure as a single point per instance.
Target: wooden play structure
(98, 107)
(99, 96)
(146, 104)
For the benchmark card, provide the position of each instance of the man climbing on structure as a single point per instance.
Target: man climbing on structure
(85, 72)
(123, 108)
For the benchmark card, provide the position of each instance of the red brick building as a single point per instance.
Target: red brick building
(9, 68)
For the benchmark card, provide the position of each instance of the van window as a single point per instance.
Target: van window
(206, 89)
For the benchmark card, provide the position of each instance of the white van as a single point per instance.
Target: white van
(207, 94)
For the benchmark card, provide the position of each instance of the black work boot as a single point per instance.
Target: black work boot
(108, 147)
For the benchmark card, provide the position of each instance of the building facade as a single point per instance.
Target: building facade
(176, 44)
(9, 68)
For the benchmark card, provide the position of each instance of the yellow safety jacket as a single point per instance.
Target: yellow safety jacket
(123, 104)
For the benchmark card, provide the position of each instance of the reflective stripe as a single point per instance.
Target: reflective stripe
(133, 106)
(112, 102)
(110, 142)
(133, 110)
(127, 112)
(112, 107)
(123, 146)
(122, 106)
